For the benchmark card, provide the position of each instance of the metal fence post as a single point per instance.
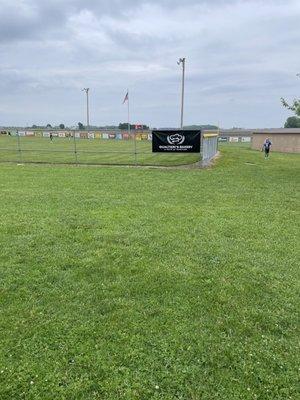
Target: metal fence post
(201, 146)
(75, 148)
(19, 147)
(135, 155)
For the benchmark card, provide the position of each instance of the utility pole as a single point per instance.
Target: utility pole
(86, 90)
(181, 61)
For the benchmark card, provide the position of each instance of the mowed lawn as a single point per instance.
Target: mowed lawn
(134, 283)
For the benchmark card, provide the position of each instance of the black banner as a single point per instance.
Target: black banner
(177, 141)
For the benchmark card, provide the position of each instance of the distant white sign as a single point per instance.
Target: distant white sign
(233, 139)
(246, 139)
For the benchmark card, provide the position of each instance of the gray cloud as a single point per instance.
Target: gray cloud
(242, 56)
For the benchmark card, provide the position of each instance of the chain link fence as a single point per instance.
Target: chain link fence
(106, 147)
(209, 146)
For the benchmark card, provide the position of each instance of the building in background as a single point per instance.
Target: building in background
(286, 140)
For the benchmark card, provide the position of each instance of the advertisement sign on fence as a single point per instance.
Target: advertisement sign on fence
(177, 141)
(246, 139)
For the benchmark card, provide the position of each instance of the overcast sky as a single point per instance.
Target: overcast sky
(242, 56)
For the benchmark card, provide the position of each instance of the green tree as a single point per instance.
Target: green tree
(295, 106)
(80, 126)
(123, 125)
(61, 126)
(292, 122)
(48, 126)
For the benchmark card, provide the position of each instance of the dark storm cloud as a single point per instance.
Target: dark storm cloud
(240, 53)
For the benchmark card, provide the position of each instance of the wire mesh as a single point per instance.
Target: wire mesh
(109, 147)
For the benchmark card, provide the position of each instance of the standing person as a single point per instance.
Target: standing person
(266, 147)
(51, 136)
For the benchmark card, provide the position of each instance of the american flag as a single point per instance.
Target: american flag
(125, 98)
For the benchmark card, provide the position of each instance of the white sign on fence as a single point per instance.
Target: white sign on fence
(246, 139)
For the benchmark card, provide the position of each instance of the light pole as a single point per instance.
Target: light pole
(181, 61)
(86, 90)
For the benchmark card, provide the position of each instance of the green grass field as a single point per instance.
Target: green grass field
(97, 151)
(134, 283)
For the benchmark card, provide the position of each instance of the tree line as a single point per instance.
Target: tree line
(82, 127)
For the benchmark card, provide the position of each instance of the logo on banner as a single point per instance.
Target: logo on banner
(177, 138)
